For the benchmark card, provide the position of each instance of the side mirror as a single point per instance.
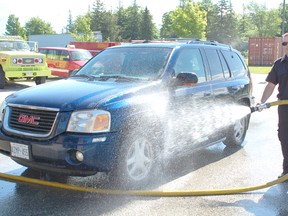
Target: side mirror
(66, 59)
(186, 79)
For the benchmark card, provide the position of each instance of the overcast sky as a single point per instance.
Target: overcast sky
(56, 11)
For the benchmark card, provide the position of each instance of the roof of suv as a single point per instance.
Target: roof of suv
(173, 44)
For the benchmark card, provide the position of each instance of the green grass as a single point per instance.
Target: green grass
(260, 69)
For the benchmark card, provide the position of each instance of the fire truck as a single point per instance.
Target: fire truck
(19, 59)
(94, 47)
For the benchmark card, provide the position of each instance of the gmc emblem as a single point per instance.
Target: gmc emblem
(28, 119)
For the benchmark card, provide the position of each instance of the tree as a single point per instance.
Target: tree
(70, 26)
(211, 14)
(110, 30)
(37, 26)
(267, 23)
(122, 16)
(13, 27)
(224, 26)
(97, 16)
(244, 24)
(147, 26)
(189, 21)
(132, 26)
(166, 30)
(82, 30)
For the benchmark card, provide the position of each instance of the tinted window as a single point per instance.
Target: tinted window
(215, 65)
(225, 67)
(235, 63)
(190, 60)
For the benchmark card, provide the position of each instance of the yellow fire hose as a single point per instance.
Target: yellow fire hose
(155, 193)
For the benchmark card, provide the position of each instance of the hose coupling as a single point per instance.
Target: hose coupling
(260, 107)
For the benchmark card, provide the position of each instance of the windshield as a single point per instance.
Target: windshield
(14, 46)
(80, 55)
(145, 63)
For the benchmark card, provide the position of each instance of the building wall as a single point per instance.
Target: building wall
(58, 40)
(54, 40)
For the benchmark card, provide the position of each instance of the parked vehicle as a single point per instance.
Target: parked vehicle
(19, 59)
(93, 47)
(127, 108)
(63, 60)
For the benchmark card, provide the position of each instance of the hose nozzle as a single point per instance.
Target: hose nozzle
(260, 107)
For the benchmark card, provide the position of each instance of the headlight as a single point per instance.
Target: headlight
(89, 121)
(2, 109)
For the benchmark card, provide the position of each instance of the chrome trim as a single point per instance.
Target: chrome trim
(33, 107)
(35, 135)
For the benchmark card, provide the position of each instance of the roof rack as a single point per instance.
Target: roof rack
(211, 42)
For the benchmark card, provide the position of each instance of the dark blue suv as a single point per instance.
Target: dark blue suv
(128, 109)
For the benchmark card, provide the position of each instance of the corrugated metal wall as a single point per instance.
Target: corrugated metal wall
(53, 40)
(263, 51)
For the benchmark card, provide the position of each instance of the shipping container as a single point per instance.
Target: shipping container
(263, 51)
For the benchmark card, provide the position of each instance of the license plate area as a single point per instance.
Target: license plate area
(20, 150)
(29, 73)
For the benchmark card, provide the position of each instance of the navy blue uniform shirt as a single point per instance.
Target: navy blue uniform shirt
(279, 75)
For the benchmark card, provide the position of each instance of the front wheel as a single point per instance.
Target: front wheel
(40, 80)
(137, 162)
(236, 133)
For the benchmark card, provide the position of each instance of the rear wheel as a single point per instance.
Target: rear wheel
(2, 78)
(236, 133)
(40, 80)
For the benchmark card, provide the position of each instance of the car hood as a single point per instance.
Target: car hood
(21, 53)
(75, 94)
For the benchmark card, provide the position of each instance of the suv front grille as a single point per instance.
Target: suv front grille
(30, 121)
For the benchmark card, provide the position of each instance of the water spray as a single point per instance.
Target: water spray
(162, 193)
(263, 106)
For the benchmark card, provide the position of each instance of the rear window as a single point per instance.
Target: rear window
(235, 63)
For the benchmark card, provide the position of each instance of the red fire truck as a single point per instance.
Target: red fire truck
(94, 47)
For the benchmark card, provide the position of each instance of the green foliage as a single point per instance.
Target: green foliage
(266, 23)
(70, 24)
(189, 21)
(166, 30)
(37, 26)
(13, 27)
(260, 69)
(146, 24)
(82, 30)
(203, 19)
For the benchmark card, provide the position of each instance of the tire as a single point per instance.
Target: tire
(2, 78)
(137, 162)
(40, 80)
(236, 133)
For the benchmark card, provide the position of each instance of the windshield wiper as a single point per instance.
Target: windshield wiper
(117, 77)
(90, 77)
(81, 75)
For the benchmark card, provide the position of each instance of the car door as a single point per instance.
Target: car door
(191, 103)
(222, 84)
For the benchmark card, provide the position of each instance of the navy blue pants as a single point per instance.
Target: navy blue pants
(283, 134)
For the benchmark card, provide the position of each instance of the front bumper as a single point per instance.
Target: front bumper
(57, 155)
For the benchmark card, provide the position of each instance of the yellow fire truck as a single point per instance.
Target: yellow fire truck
(19, 59)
